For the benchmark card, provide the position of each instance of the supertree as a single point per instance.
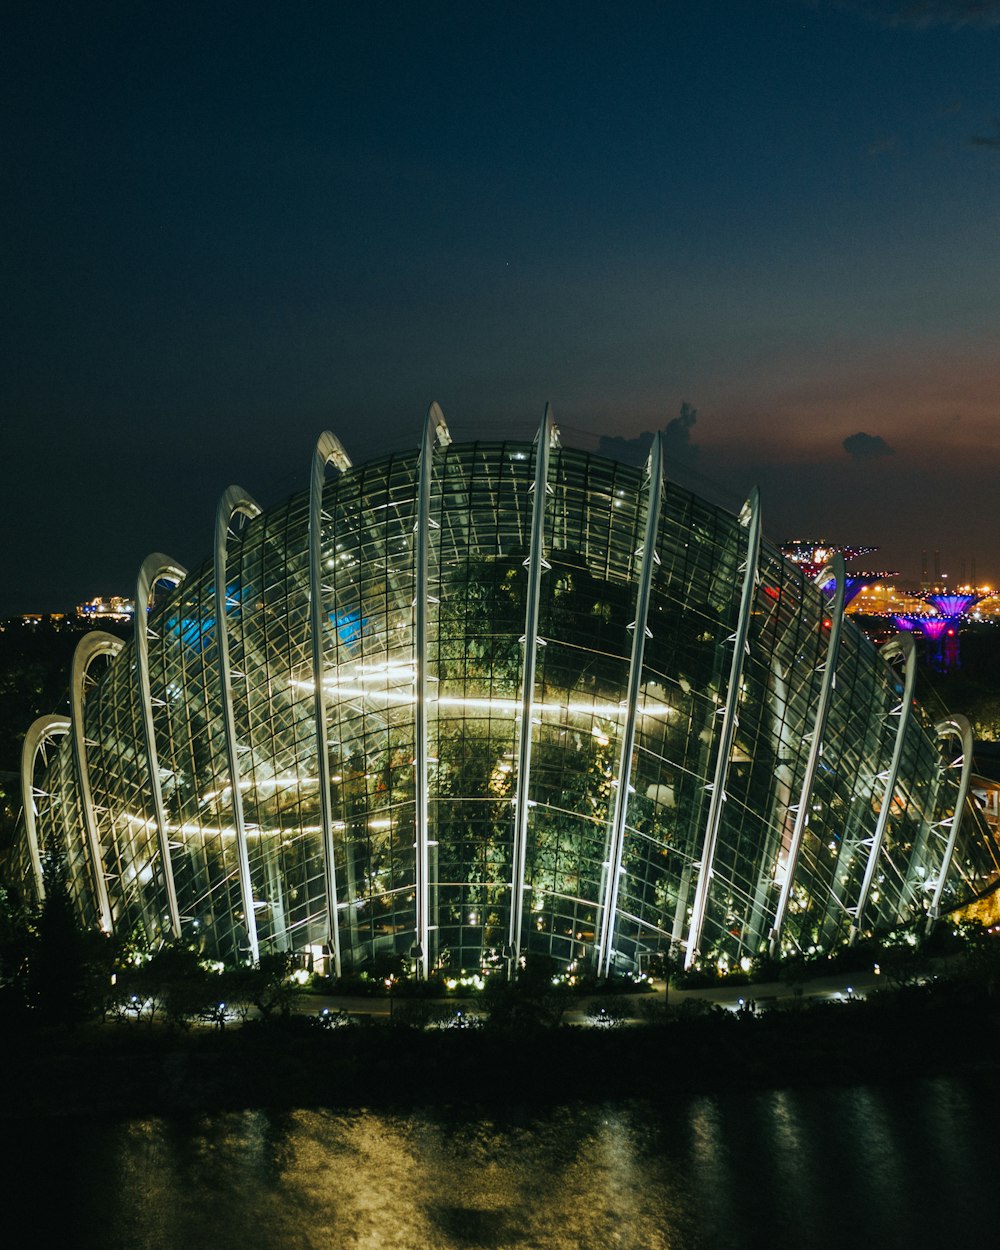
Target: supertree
(941, 631)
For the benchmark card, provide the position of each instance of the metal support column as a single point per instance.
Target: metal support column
(234, 501)
(750, 518)
(41, 734)
(155, 568)
(328, 451)
(815, 751)
(955, 726)
(87, 650)
(536, 563)
(435, 435)
(902, 648)
(640, 629)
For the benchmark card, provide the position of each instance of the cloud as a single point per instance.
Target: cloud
(882, 147)
(922, 14)
(677, 438)
(627, 450)
(678, 448)
(987, 141)
(863, 446)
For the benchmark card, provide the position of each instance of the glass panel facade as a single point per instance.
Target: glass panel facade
(481, 507)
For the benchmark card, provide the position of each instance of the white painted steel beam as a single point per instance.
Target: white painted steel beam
(435, 435)
(750, 518)
(815, 750)
(329, 450)
(155, 568)
(902, 648)
(234, 502)
(87, 650)
(42, 733)
(546, 439)
(639, 627)
(952, 727)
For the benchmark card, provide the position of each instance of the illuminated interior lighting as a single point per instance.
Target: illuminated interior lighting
(190, 827)
(402, 698)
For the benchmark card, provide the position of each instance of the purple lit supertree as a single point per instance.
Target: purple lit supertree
(940, 631)
(940, 637)
(950, 604)
(854, 583)
(812, 556)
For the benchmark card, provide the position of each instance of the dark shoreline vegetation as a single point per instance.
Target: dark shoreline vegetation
(286, 1062)
(98, 1028)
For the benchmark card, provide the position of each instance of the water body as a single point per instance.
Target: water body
(901, 1166)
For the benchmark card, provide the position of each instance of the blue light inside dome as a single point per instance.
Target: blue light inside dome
(196, 631)
(348, 626)
(192, 631)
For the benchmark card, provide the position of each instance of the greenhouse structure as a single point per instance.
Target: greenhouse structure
(451, 708)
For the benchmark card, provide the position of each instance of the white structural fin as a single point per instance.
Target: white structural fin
(815, 749)
(900, 647)
(435, 435)
(234, 502)
(42, 733)
(329, 451)
(750, 517)
(956, 728)
(622, 783)
(155, 568)
(87, 650)
(546, 439)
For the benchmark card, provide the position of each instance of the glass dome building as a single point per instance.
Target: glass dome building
(496, 698)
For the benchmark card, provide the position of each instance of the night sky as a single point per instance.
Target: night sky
(226, 227)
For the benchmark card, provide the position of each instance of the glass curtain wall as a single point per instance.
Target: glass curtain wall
(481, 508)
(119, 783)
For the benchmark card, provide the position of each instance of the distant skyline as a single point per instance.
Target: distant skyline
(228, 227)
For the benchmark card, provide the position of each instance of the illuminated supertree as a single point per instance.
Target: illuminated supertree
(856, 582)
(950, 604)
(937, 631)
(812, 556)
(940, 631)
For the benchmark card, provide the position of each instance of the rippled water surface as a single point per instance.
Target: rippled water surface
(903, 1166)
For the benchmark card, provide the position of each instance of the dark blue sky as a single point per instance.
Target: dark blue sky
(226, 227)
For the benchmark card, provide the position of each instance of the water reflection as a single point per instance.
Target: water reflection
(822, 1168)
